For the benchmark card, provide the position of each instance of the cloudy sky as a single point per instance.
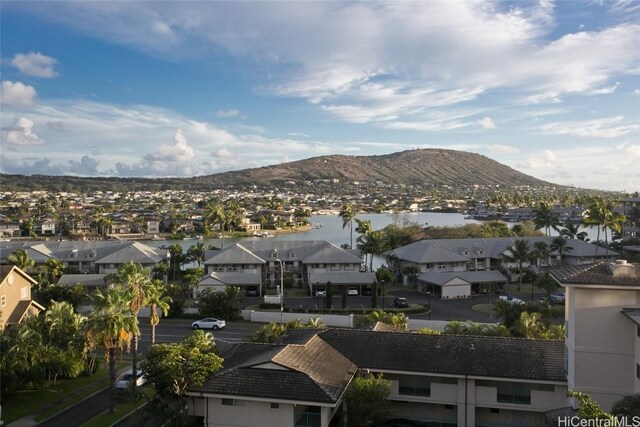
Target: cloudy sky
(118, 88)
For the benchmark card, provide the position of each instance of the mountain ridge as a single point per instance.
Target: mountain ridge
(420, 167)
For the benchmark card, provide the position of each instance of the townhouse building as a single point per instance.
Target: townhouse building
(305, 264)
(442, 380)
(458, 268)
(93, 256)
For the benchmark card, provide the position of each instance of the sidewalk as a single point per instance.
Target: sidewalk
(30, 420)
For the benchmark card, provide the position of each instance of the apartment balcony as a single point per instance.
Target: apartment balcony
(522, 399)
(429, 392)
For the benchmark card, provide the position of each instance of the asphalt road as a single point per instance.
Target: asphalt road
(78, 414)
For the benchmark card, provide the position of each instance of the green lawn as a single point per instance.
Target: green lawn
(525, 289)
(484, 308)
(26, 402)
(123, 408)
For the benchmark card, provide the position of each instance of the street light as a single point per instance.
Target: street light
(281, 290)
(382, 295)
(429, 294)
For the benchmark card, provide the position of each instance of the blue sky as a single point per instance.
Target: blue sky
(158, 89)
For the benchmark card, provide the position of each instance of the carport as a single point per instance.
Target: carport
(459, 284)
(342, 279)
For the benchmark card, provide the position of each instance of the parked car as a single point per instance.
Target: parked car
(252, 292)
(399, 302)
(352, 291)
(557, 298)
(125, 380)
(367, 292)
(209, 323)
(511, 300)
(320, 292)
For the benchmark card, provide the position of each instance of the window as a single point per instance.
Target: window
(466, 252)
(481, 251)
(217, 268)
(350, 267)
(275, 406)
(233, 402)
(335, 267)
(508, 393)
(292, 254)
(91, 254)
(442, 266)
(494, 410)
(415, 387)
(24, 292)
(232, 268)
(637, 370)
(3, 300)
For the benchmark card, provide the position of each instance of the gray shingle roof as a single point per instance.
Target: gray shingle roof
(83, 279)
(451, 354)
(233, 278)
(453, 250)
(595, 274)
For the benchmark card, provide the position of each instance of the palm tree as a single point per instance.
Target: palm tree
(373, 243)
(157, 300)
(614, 222)
(540, 251)
(54, 268)
(560, 245)
(111, 326)
(596, 216)
(214, 214)
(572, 231)
(519, 253)
(197, 252)
(529, 325)
(136, 280)
(348, 212)
(543, 217)
(20, 258)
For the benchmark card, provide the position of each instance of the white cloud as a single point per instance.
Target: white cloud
(179, 152)
(487, 123)
(227, 113)
(21, 133)
(633, 150)
(609, 127)
(503, 149)
(35, 64)
(549, 156)
(636, 92)
(224, 153)
(17, 94)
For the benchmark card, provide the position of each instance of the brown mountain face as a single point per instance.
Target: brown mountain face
(425, 167)
(419, 167)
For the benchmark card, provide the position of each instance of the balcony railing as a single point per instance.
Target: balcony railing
(307, 419)
(415, 391)
(518, 397)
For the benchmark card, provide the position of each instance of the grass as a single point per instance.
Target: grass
(484, 308)
(123, 408)
(525, 289)
(26, 402)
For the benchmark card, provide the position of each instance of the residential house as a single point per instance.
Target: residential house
(304, 264)
(602, 323)
(10, 228)
(458, 268)
(15, 296)
(445, 380)
(45, 226)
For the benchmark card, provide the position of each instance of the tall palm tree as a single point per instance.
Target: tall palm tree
(560, 245)
(519, 253)
(20, 258)
(157, 299)
(572, 231)
(540, 251)
(373, 243)
(614, 222)
(54, 268)
(543, 217)
(597, 215)
(363, 226)
(110, 326)
(348, 213)
(136, 280)
(214, 214)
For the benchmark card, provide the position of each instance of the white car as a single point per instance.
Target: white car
(124, 381)
(209, 323)
(352, 291)
(321, 293)
(511, 300)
